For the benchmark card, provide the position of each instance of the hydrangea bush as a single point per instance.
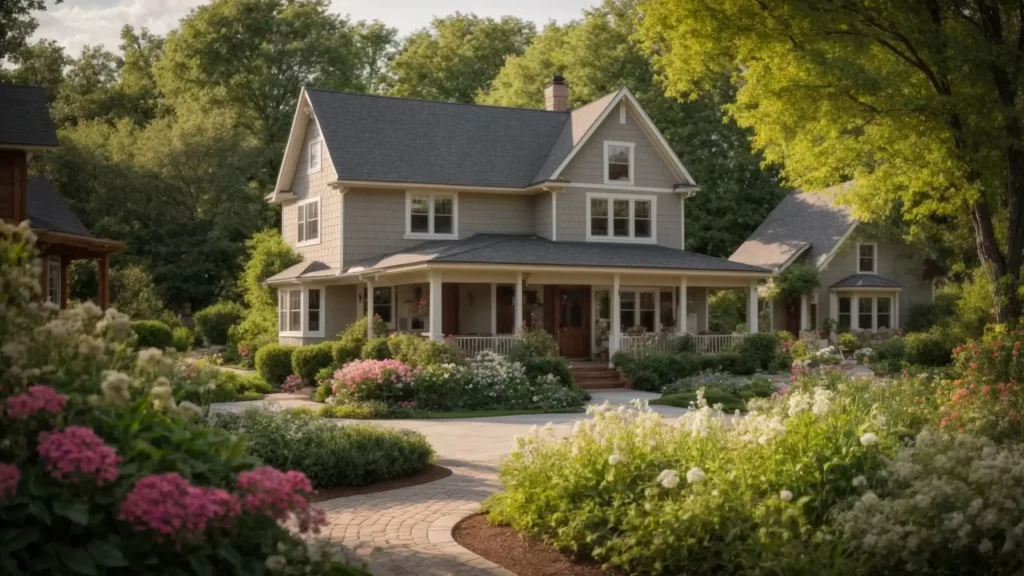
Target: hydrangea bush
(368, 380)
(103, 471)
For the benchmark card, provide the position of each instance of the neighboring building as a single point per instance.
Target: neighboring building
(466, 220)
(867, 283)
(25, 129)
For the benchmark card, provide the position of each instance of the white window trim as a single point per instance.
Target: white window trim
(53, 280)
(874, 258)
(319, 222)
(632, 163)
(303, 331)
(410, 235)
(631, 239)
(310, 169)
(394, 304)
(657, 290)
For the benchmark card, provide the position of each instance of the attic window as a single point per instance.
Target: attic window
(314, 156)
(866, 259)
(618, 159)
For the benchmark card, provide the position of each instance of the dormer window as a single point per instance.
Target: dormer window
(867, 262)
(314, 156)
(618, 160)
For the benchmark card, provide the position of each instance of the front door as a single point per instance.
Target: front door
(572, 321)
(449, 309)
(792, 306)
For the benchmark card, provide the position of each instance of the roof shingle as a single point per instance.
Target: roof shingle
(47, 210)
(866, 281)
(25, 117)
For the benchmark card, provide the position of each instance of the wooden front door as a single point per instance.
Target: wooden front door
(449, 309)
(505, 313)
(792, 306)
(572, 321)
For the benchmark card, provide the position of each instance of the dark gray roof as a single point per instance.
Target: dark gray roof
(532, 250)
(810, 221)
(386, 139)
(310, 269)
(866, 281)
(25, 117)
(47, 210)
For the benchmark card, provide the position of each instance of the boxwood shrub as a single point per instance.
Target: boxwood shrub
(153, 334)
(213, 322)
(536, 367)
(927, 349)
(375, 349)
(182, 339)
(760, 348)
(307, 361)
(274, 363)
(331, 455)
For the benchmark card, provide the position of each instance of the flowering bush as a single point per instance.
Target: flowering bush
(863, 355)
(386, 380)
(102, 469)
(292, 383)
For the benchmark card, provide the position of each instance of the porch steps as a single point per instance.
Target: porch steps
(590, 375)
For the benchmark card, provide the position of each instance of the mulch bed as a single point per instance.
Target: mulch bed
(429, 474)
(518, 553)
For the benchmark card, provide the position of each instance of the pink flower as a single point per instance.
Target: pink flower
(78, 450)
(173, 509)
(39, 398)
(292, 383)
(273, 493)
(10, 475)
(380, 372)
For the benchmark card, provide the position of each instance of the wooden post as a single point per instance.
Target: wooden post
(63, 282)
(43, 279)
(682, 312)
(519, 302)
(104, 281)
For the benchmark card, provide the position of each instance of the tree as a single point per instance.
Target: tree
(376, 45)
(90, 88)
(17, 24)
(268, 255)
(142, 50)
(599, 55)
(916, 102)
(39, 64)
(457, 56)
(252, 57)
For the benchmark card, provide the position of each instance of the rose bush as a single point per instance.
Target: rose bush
(367, 380)
(103, 471)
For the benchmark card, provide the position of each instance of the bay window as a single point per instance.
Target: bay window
(614, 218)
(431, 215)
(296, 305)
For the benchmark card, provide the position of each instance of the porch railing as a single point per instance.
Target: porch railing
(473, 345)
(716, 343)
(642, 345)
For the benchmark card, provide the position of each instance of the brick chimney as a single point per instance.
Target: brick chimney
(556, 94)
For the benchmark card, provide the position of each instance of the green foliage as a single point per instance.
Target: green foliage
(848, 341)
(214, 322)
(417, 351)
(345, 351)
(354, 335)
(927, 349)
(330, 455)
(923, 317)
(133, 293)
(713, 396)
(538, 366)
(797, 280)
(182, 339)
(726, 310)
(371, 410)
(274, 363)
(760, 348)
(375, 349)
(153, 334)
(268, 255)
(308, 361)
(457, 56)
(533, 343)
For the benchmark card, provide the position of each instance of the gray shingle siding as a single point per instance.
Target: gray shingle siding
(542, 214)
(572, 214)
(305, 186)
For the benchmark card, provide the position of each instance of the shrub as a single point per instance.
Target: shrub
(182, 339)
(385, 380)
(848, 341)
(536, 367)
(345, 351)
(713, 396)
(800, 351)
(213, 322)
(893, 349)
(927, 349)
(406, 347)
(645, 381)
(153, 334)
(268, 255)
(684, 344)
(331, 455)
(323, 384)
(307, 361)
(622, 360)
(274, 363)
(533, 343)
(655, 371)
(759, 348)
(375, 349)
(361, 411)
(438, 352)
(736, 363)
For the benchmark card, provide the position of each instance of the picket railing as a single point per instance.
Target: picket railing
(473, 345)
(642, 345)
(716, 343)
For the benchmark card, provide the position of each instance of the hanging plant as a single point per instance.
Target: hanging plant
(797, 280)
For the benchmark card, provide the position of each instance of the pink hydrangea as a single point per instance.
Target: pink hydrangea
(78, 450)
(381, 372)
(10, 475)
(273, 493)
(292, 383)
(39, 398)
(171, 508)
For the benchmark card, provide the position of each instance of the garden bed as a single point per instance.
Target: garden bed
(431, 473)
(520, 554)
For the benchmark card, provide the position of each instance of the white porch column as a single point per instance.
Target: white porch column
(519, 302)
(681, 327)
(752, 308)
(494, 309)
(613, 345)
(833, 309)
(805, 315)
(369, 309)
(855, 313)
(435, 306)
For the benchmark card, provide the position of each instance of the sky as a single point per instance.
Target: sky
(76, 23)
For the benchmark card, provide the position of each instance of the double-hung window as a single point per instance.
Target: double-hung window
(431, 215)
(308, 222)
(883, 312)
(866, 259)
(382, 304)
(314, 156)
(845, 313)
(296, 305)
(621, 218)
(865, 312)
(53, 283)
(618, 161)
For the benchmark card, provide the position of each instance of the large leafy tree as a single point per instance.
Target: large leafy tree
(457, 56)
(376, 46)
(41, 63)
(17, 23)
(598, 54)
(918, 102)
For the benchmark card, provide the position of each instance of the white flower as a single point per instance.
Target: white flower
(695, 475)
(188, 411)
(869, 439)
(276, 562)
(150, 357)
(822, 401)
(869, 499)
(799, 402)
(116, 387)
(785, 495)
(668, 478)
(614, 459)
(986, 546)
(860, 481)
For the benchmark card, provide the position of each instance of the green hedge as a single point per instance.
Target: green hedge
(375, 349)
(330, 455)
(761, 348)
(274, 363)
(927, 349)
(153, 334)
(537, 367)
(213, 322)
(308, 360)
(182, 339)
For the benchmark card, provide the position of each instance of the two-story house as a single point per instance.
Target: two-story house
(25, 129)
(470, 221)
(867, 283)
